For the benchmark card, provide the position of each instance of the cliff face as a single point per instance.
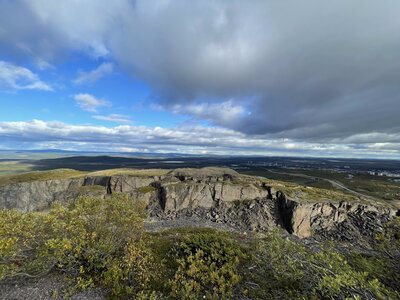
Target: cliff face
(38, 195)
(192, 193)
(307, 219)
(180, 196)
(215, 194)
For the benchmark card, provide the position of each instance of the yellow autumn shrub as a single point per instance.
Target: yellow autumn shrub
(207, 266)
(95, 241)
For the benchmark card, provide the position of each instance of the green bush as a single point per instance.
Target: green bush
(96, 241)
(207, 266)
(133, 273)
(388, 245)
(276, 272)
(389, 240)
(285, 268)
(101, 242)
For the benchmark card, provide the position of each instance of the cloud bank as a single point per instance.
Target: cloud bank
(39, 134)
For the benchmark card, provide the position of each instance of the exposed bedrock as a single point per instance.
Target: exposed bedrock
(217, 194)
(38, 195)
(307, 219)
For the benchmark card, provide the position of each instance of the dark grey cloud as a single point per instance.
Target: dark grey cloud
(312, 70)
(23, 35)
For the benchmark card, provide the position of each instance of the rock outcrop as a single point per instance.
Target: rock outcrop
(307, 219)
(191, 188)
(214, 194)
(38, 195)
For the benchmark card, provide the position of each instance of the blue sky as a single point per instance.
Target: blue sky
(205, 77)
(127, 97)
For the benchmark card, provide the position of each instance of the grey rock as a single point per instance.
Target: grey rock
(38, 195)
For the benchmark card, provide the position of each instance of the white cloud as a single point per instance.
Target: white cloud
(191, 140)
(116, 118)
(41, 64)
(89, 102)
(14, 77)
(94, 75)
(219, 113)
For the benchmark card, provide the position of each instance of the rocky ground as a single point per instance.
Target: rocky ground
(52, 287)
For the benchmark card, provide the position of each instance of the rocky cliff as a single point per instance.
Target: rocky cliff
(218, 195)
(189, 189)
(341, 219)
(38, 195)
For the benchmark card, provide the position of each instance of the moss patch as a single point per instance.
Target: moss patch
(130, 172)
(92, 190)
(146, 189)
(41, 176)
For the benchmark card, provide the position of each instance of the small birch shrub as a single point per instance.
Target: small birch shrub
(207, 266)
(95, 241)
(285, 268)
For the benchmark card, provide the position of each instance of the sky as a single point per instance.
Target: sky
(227, 77)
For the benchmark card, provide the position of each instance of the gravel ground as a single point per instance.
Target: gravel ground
(154, 224)
(47, 288)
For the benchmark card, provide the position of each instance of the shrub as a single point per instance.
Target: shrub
(133, 273)
(275, 268)
(207, 266)
(389, 240)
(96, 241)
(288, 269)
(18, 239)
(388, 245)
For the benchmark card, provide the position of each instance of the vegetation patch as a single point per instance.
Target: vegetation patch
(285, 269)
(312, 194)
(92, 188)
(380, 189)
(90, 241)
(207, 267)
(130, 172)
(317, 195)
(146, 189)
(102, 243)
(41, 176)
(10, 167)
